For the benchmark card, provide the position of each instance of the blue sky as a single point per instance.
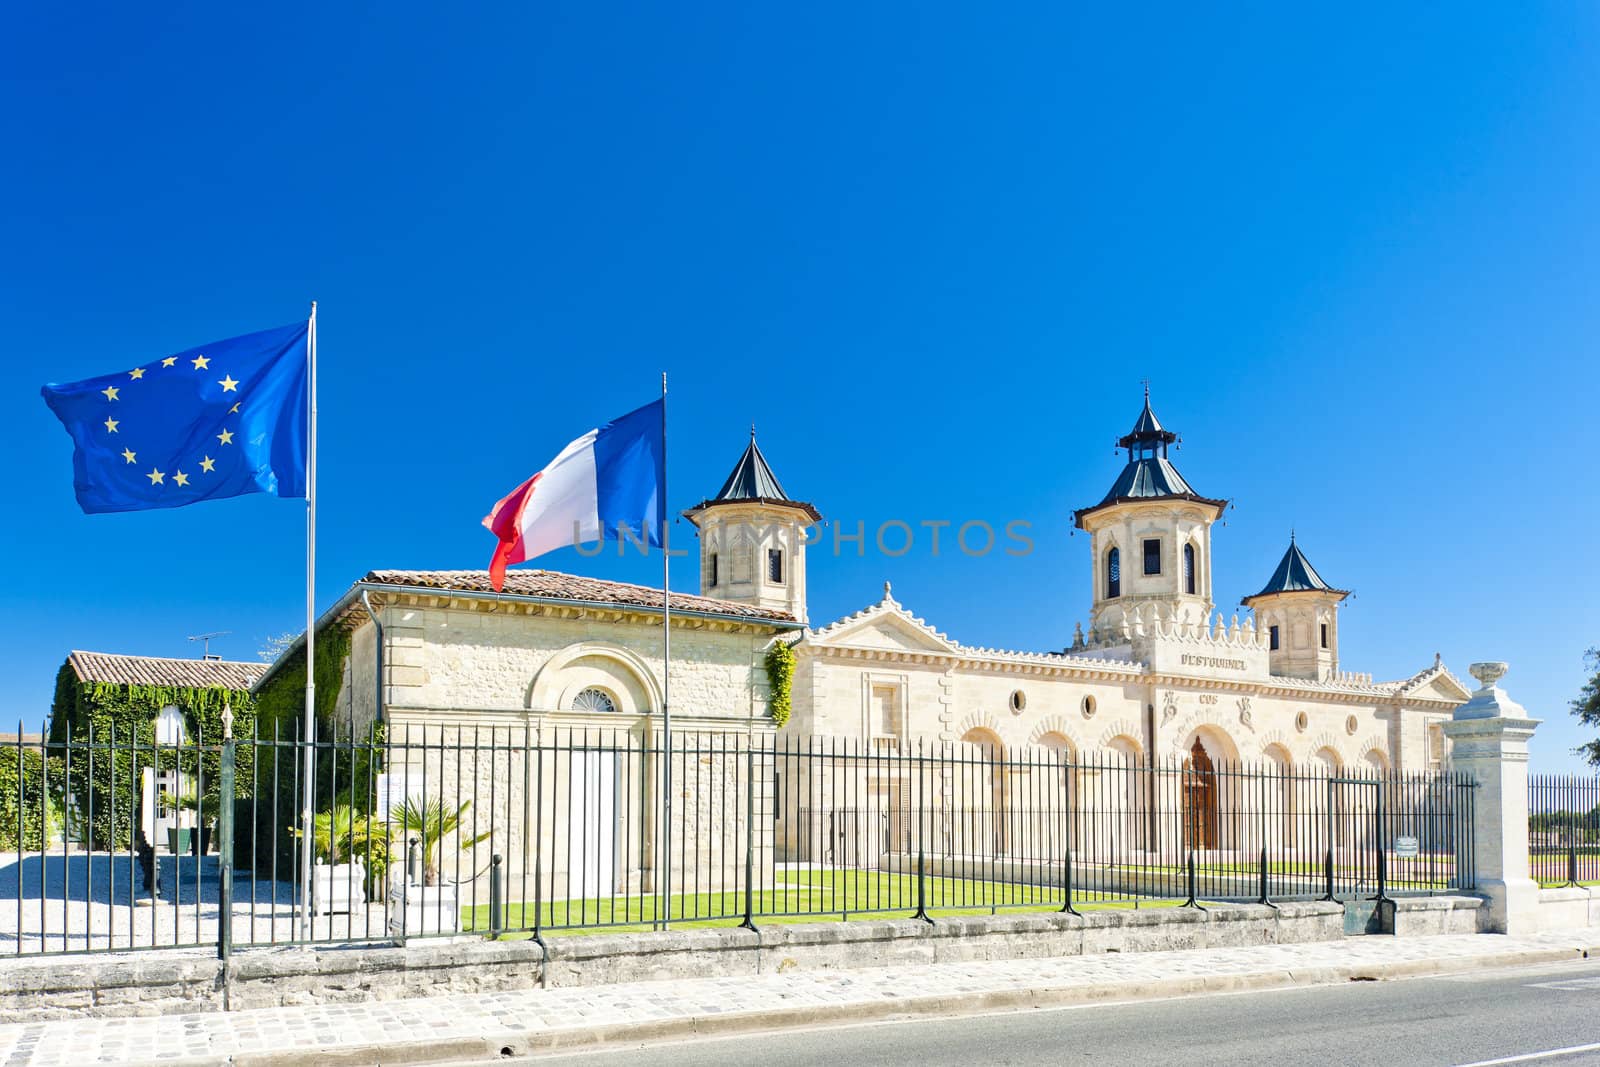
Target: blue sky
(929, 251)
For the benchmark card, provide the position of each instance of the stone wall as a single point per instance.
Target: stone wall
(1570, 908)
(152, 983)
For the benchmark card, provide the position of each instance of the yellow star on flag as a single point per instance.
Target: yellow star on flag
(169, 361)
(181, 478)
(226, 437)
(136, 373)
(128, 454)
(156, 477)
(110, 391)
(228, 384)
(207, 463)
(201, 362)
(234, 410)
(111, 425)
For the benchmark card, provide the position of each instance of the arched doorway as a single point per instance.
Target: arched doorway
(982, 788)
(1200, 822)
(1280, 799)
(1056, 800)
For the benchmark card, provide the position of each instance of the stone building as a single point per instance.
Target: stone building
(1159, 676)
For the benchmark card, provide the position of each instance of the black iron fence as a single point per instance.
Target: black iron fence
(112, 844)
(1564, 829)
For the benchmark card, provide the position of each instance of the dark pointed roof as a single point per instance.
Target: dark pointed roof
(1295, 574)
(1148, 428)
(752, 481)
(752, 478)
(1149, 474)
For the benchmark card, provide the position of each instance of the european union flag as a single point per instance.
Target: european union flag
(220, 420)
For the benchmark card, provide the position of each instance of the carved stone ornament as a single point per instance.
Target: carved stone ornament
(1488, 673)
(1169, 710)
(1244, 714)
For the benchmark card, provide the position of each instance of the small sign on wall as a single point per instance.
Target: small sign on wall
(1405, 847)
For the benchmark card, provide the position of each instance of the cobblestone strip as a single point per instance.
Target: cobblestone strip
(217, 1037)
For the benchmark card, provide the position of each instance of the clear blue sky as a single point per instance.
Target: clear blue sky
(930, 251)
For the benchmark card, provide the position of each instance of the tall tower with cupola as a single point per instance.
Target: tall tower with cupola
(1299, 613)
(1150, 539)
(753, 539)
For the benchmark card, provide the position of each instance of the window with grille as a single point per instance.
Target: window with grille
(1188, 569)
(593, 699)
(775, 564)
(1272, 637)
(1114, 572)
(1152, 556)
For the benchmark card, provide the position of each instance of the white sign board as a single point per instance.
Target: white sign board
(1405, 847)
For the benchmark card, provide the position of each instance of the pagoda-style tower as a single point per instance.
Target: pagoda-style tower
(1299, 613)
(752, 541)
(1150, 539)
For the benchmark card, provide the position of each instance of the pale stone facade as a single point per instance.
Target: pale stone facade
(1157, 672)
(1158, 678)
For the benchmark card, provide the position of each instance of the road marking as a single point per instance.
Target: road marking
(1571, 1050)
(1574, 984)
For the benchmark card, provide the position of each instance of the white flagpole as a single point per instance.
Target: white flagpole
(308, 791)
(666, 668)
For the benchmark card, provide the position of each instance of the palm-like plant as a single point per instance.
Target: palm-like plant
(343, 833)
(432, 822)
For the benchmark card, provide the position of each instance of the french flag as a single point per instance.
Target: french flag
(611, 480)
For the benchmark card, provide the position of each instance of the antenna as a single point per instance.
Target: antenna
(206, 648)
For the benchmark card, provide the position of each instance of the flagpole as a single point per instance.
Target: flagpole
(310, 729)
(666, 666)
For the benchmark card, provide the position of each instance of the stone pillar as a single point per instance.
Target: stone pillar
(1489, 743)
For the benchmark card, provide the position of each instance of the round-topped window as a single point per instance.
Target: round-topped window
(593, 699)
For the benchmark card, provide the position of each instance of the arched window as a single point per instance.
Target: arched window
(1188, 569)
(593, 699)
(1113, 572)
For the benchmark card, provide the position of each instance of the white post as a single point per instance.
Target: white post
(1489, 743)
(307, 793)
(666, 673)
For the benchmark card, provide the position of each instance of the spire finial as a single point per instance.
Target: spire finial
(1146, 382)
(1291, 535)
(752, 431)
(887, 594)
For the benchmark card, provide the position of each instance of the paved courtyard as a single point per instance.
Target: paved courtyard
(567, 1017)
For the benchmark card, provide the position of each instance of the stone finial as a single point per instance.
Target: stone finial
(1490, 702)
(887, 593)
(227, 722)
(1488, 672)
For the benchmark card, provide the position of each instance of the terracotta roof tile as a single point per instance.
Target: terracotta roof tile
(154, 670)
(554, 585)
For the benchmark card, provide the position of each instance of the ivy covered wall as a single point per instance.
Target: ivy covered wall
(112, 726)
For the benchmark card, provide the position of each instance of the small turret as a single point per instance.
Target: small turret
(1300, 614)
(752, 545)
(1150, 537)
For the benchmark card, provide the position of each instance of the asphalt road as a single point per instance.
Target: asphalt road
(1510, 1016)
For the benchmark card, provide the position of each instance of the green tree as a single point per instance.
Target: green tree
(1587, 706)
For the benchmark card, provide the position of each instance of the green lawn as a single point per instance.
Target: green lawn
(798, 896)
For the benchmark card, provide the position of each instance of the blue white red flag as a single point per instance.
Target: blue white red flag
(610, 480)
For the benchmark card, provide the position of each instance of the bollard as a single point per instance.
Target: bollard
(497, 899)
(1264, 899)
(1066, 882)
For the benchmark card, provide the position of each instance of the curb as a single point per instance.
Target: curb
(508, 1044)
